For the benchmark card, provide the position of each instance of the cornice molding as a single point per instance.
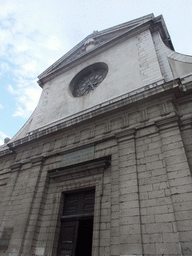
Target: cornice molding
(121, 101)
(5, 152)
(80, 170)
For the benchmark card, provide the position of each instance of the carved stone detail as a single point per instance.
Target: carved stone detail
(90, 44)
(107, 127)
(144, 115)
(51, 146)
(77, 137)
(125, 121)
(91, 133)
(164, 109)
(64, 142)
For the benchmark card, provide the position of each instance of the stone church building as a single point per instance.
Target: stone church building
(102, 166)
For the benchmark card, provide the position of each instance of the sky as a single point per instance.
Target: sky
(34, 34)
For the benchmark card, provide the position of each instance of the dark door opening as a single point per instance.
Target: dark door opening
(76, 230)
(84, 237)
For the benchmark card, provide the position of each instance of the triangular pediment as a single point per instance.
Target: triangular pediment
(94, 41)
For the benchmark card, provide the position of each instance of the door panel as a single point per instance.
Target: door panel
(77, 224)
(88, 202)
(71, 204)
(79, 203)
(68, 238)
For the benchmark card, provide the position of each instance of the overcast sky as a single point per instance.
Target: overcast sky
(35, 33)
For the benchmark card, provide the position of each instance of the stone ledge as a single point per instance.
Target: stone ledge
(128, 98)
(76, 171)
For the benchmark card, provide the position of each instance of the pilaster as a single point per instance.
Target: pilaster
(22, 199)
(180, 181)
(6, 227)
(186, 132)
(7, 196)
(130, 240)
(159, 233)
(37, 206)
(114, 236)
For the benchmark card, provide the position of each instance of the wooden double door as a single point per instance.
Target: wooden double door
(77, 224)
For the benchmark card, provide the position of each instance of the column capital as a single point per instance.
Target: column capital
(126, 135)
(186, 123)
(16, 167)
(37, 160)
(167, 123)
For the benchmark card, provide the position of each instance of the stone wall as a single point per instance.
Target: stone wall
(140, 170)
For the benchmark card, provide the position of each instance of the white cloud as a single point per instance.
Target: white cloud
(20, 112)
(31, 40)
(1, 106)
(53, 43)
(2, 137)
(27, 98)
(11, 90)
(25, 48)
(2, 134)
(31, 66)
(4, 67)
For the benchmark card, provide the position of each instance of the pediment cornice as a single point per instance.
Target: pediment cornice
(98, 42)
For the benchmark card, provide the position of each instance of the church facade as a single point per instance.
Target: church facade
(103, 165)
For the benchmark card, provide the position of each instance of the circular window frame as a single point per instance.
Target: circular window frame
(73, 86)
